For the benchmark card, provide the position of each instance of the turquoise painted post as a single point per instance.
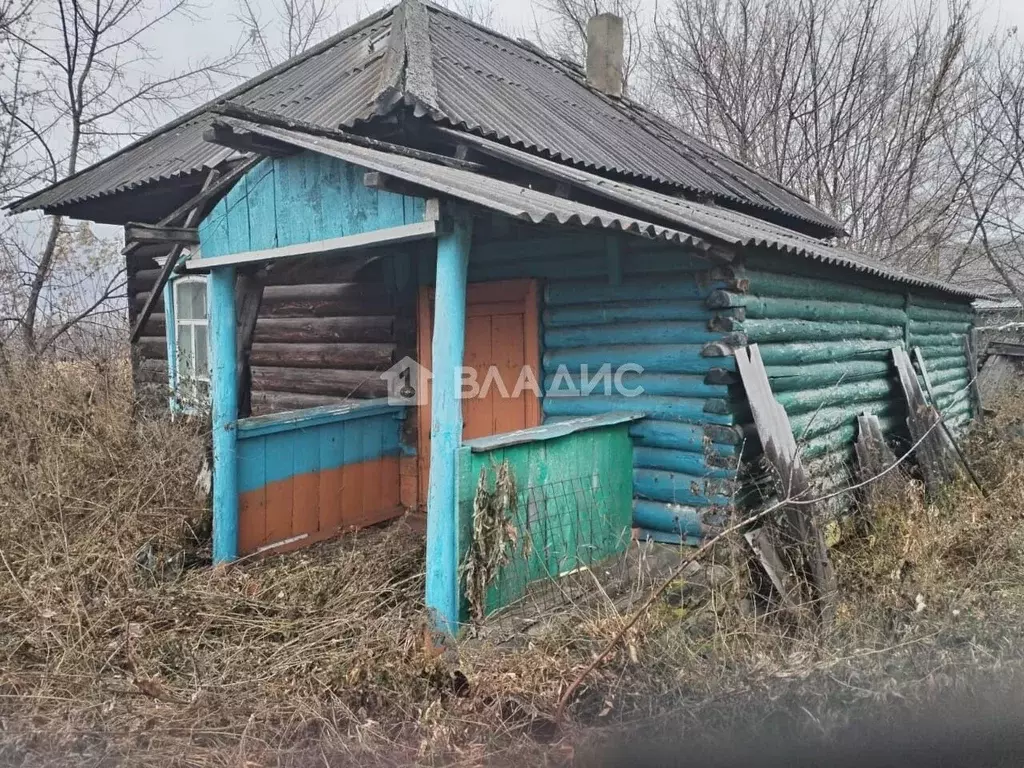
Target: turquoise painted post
(220, 296)
(446, 424)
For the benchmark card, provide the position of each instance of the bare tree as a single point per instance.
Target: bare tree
(78, 78)
(290, 28)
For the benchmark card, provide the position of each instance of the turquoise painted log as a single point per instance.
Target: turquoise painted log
(620, 312)
(938, 378)
(927, 327)
(771, 284)
(843, 437)
(935, 340)
(680, 437)
(688, 410)
(677, 488)
(665, 384)
(799, 353)
(765, 307)
(560, 293)
(945, 350)
(951, 362)
(662, 358)
(807, 426)
(664, 332)
(220, 297)
(789, 377)
(686, 462)
(668, 518)
(779, 330)
(956, 314)
(940, 303)
(952, 387)
(802, 401)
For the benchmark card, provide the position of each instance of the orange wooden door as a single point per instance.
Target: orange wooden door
(502, 339)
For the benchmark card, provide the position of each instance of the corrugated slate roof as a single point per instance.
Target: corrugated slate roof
(502, 89)
(510, 199)
(462, 75)
(712, 223)
(333, 83)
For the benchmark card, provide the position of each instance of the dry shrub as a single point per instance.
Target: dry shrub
(119, 644)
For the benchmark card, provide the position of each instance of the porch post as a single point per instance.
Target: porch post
(447, 348)
(220, 297)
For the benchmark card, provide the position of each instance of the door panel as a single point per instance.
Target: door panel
(502, 331)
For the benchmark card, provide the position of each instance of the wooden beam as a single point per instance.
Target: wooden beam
(249, 296)
(156, 291)
(225, 135)
(261, 117)
(208, 193)
(407, 232)
(136, 234)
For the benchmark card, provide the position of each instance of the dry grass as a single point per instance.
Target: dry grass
(119, 644)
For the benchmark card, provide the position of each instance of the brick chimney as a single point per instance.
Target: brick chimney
(604, 54)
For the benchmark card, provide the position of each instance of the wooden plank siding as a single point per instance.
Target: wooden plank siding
(314, 476)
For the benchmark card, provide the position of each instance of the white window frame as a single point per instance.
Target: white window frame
(186, 393)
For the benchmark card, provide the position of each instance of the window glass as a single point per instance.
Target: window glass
(183, 302)
(202, 364)
(198, 300)
(186, 353)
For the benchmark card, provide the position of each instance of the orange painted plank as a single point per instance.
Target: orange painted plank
(331, 481)
(390, 479)
(509, 358)
(352, 494)
(280, 500)
(497, 290)
(478, 412)
(306, 503)
(252, 520)
(531, 338)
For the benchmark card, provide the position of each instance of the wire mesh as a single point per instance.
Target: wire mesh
(566, 539)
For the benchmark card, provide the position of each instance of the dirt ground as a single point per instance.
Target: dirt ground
(119, 645)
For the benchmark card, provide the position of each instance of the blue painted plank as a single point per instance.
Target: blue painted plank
(280, 449)
(237, 201)
(333, 199)
(353, 441)
(251, 464)
(262, 207)
(332, 445)
(292, 226)
(306, 451)
(324, 414)
(213, 231)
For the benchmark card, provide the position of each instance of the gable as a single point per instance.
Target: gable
(302, 198)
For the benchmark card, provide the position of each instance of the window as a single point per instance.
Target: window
(191, 327)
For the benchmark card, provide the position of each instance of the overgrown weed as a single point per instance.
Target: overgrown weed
(119, 644)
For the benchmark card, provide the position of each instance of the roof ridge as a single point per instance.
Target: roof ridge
(239, 89)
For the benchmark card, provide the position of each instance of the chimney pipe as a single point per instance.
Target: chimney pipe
(604, 54)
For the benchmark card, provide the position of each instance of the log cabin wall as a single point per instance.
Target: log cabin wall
(826, 336)
(149, 353)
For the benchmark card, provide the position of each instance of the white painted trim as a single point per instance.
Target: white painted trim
(421, 230)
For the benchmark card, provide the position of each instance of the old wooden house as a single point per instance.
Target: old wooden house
(419, 193)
